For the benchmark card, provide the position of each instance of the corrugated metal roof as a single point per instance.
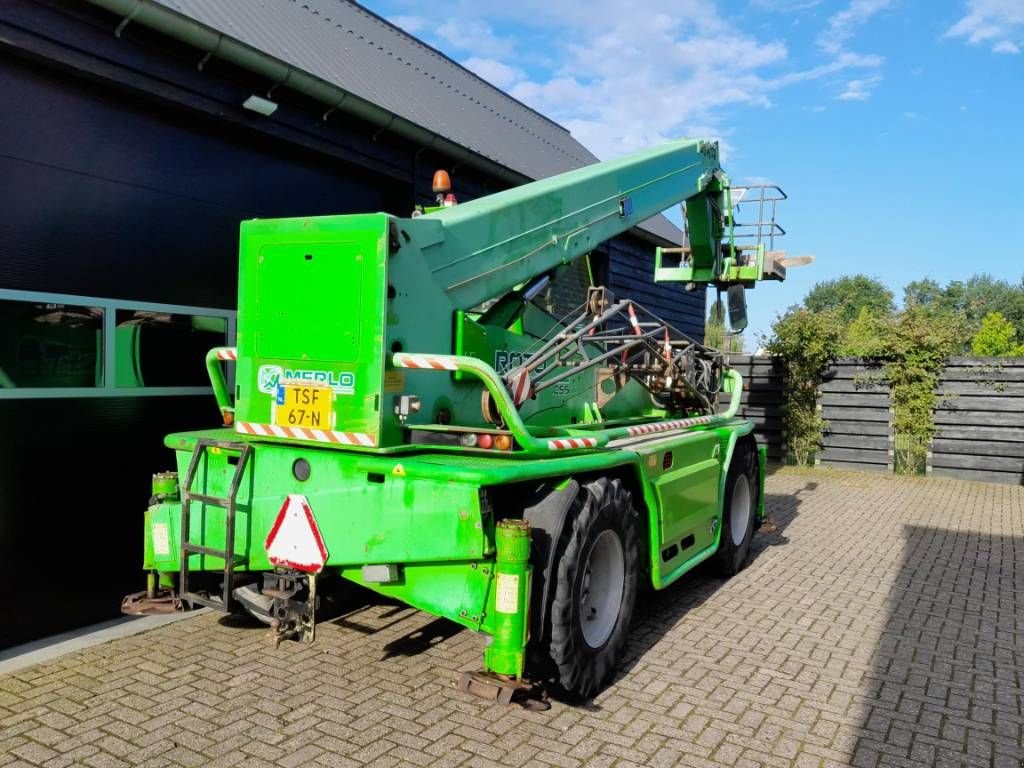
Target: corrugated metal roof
(352, 48)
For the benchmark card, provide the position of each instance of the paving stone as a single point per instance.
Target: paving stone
(879, 623)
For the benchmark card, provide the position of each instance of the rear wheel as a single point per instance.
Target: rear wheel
(739, 511)
(595, 592)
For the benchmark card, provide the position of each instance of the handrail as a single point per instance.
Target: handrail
(574, 439)
(214, 358)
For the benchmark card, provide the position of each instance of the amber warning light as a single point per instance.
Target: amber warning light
(442, 187)
(442, 183)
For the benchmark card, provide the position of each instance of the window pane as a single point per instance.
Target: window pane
(158, 349)
(50, 345)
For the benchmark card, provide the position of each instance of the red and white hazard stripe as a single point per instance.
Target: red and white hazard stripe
(519, 385)
(632, 319)
(302, 433)
(227, 353)
(431, 362)
(569, 443)
(668, 426)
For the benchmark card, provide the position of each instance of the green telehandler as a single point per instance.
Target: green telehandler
(406, 415)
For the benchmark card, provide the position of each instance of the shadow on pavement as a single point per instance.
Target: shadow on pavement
(944, 685)
(422, 639)
(658, 612)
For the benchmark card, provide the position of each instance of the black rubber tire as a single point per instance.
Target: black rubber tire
(579, 670)
(732, 557)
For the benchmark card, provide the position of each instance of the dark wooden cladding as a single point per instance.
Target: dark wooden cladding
(762, 400)
(944, 447)
(986, 403)
(854, 401)
(980, 420)
(857, 400)
(979, 417)
(868, 428)
(629, 275)
(983, 476)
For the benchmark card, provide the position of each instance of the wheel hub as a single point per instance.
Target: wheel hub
(739, 510)
(604, 575)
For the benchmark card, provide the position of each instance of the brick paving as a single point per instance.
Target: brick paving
(880, 624)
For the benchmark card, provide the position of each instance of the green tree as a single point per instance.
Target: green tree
(913, 343)
(806, 342)
(984, 294)
(973, 298)
(996, 337)
(848, 295)
(920, 342)
(925, 293)
(867, 336)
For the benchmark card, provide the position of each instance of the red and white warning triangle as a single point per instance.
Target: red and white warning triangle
(295, 540)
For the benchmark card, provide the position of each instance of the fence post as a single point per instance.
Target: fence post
(891, 466)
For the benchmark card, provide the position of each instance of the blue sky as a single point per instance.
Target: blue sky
(896, 127)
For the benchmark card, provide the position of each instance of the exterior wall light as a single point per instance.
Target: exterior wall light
(265, 107)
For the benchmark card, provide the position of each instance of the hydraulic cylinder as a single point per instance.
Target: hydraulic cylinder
(509, 603)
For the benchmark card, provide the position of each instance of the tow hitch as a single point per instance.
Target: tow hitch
(286, 601)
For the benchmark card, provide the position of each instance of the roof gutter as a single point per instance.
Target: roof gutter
(214, 43)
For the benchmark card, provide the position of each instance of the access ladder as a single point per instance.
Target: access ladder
(229, 504)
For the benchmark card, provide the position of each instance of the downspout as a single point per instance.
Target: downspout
(214, 43)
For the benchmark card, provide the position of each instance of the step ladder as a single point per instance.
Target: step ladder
(220, 602)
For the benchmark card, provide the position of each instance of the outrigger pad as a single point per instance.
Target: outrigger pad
(505, 690)
(140, 604)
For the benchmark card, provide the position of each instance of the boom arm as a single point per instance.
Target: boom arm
(332, 300)
(482, 249)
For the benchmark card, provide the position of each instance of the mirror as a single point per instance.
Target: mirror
(737, 300)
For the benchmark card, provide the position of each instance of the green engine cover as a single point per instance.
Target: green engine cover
(312, 311)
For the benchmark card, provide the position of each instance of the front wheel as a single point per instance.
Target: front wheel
(739, 511)
(598, 570)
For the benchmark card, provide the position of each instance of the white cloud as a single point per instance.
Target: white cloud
(473, 35)
(843, 25)
(622, 76)
(841, 62)
(785, 6)
(859, 90)
(841, 28)
(999, 23)
(411, 24)
(495, 72)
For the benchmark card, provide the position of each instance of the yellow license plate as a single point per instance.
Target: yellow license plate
(304, 406)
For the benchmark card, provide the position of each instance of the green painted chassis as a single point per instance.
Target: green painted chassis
(430, 513)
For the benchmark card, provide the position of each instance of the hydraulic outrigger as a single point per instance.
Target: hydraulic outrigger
(407, 416)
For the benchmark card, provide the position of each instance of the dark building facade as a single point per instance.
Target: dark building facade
(127, 162)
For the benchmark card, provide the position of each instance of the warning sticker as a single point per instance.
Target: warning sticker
(394, 380)
(161, 539)
(507, 598)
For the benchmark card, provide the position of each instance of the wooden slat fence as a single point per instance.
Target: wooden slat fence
(980, 420)
(762, 400)
(854, 400)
